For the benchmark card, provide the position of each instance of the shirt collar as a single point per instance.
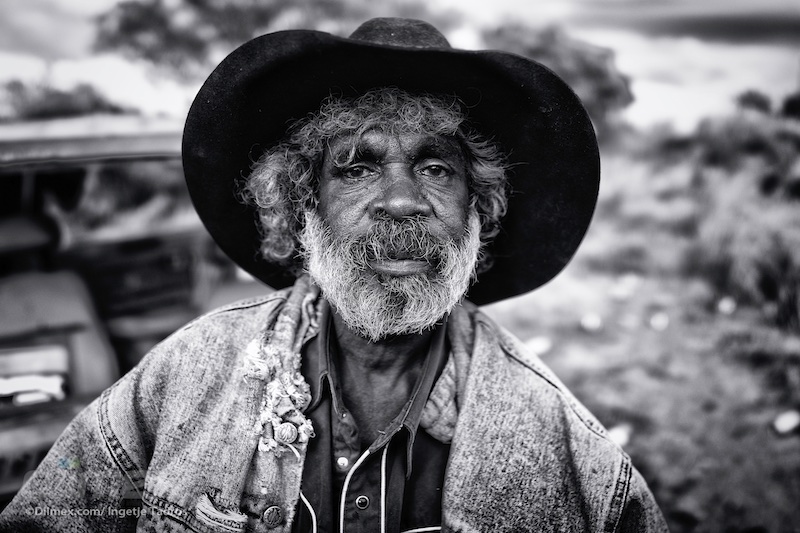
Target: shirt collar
(317, 364)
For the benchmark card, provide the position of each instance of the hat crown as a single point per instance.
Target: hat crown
(409, 33)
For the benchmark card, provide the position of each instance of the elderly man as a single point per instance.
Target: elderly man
(392, 176)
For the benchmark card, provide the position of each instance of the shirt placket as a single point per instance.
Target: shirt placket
(346, 442)
(368, 487)
(361, 507)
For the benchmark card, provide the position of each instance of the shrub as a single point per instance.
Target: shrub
(748, 239)
(38, 102)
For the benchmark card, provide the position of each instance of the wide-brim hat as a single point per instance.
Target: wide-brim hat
(247, 103)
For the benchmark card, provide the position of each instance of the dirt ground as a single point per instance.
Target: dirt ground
(690, 384)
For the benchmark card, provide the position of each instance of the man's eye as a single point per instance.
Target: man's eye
(435, 171)
(357, 172)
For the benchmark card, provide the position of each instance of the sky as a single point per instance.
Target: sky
(687, 59)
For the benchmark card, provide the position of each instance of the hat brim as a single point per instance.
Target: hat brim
(249, 100)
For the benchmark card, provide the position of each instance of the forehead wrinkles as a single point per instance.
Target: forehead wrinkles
(375, 143)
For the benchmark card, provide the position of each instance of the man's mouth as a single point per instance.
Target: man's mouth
(399, 267)
(399, 251)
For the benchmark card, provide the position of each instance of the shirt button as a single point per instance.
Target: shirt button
(343, 462)
(273, 516)
(362, 502)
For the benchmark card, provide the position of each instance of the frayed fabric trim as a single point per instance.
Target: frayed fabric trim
(275, 357)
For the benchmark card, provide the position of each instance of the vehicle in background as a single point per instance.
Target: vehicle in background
(101, 256)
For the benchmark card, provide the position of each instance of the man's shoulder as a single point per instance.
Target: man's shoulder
(218, 337)
(253, 308)
(528, 381)
(205, 356)
(234, 320)
(517, 418)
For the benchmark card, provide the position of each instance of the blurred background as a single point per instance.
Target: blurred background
(677, 324)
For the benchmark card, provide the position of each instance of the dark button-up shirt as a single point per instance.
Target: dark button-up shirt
(394, 485)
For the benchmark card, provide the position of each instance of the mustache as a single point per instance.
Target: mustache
(408, 238)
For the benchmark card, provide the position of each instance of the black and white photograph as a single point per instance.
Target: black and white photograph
(400, 267)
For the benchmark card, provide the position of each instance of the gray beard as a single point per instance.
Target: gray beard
(377, 306)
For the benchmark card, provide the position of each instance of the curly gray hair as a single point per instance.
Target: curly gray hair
(282, 185)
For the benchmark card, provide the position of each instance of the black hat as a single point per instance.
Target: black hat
(247, 103)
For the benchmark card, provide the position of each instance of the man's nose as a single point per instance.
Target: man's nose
(401, 195)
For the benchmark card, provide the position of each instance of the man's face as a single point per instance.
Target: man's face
(398, 177)
(394, 242)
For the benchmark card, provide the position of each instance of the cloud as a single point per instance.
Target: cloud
(128, 83)
(50, 29)
(681, 80)
(677, 74)
(735, 21)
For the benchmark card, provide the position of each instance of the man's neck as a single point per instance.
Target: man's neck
(392, 355)
(377, 378)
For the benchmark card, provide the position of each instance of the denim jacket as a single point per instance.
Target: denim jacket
(169, 447)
